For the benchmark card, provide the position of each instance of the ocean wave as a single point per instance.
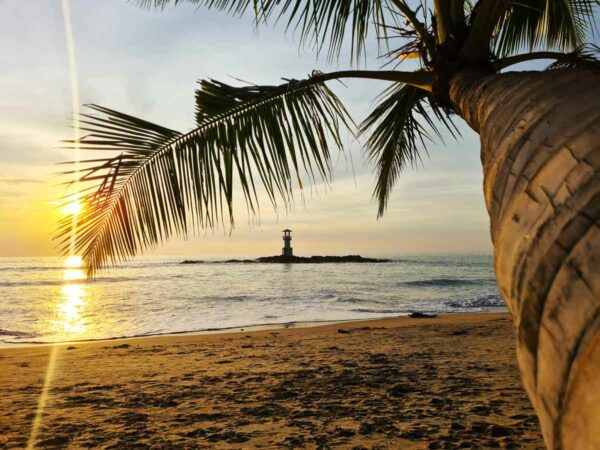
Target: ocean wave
(33, 283)
(325, 295)
(446, 262)
(66, 282)
(350, 300)
(355, 300)
(443, 282)
(16, 333)
(29, 268)
(485, 301)
(379, 311)
(236, 298)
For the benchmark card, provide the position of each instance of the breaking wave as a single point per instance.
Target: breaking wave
(485, 301)
(445, 282)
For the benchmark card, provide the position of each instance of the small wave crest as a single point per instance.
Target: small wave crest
(443, 282)
(18, 268)
(16, 333)
(355, 300)
(378, 311)
(325, 295)
(65, 282)
(236, 298)
(485, 301)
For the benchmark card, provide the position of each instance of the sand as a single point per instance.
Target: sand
(448, 382)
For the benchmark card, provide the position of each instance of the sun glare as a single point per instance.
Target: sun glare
(73, 262)
(69, 311)
(72, 208)
(73, 274)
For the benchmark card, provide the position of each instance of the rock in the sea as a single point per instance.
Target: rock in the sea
(420, 315)
(294, 259)
(242, 261)
(319, 259)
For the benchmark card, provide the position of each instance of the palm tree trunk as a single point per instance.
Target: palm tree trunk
(540, 149)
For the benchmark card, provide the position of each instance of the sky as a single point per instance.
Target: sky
(147, 63)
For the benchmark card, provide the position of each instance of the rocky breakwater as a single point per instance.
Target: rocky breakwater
(280, 259)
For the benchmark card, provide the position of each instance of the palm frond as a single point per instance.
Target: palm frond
(400, 124)
(157, 182)
(319, 23)
(552, 24)
(585, 56)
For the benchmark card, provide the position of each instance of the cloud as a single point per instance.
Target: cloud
(18, 181)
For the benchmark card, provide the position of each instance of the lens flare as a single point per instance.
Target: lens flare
(73, 207)
(37, 420)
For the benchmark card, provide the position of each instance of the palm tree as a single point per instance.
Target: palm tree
(540, 149)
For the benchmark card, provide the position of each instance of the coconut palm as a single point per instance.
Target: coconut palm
(540, 149)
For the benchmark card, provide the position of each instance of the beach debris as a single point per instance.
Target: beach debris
(343, 331)
(369, 328)
(421, 315)
(121, 346)
(70, 347)
(460, 332)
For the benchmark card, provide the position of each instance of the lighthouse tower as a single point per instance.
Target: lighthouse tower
(287, 249)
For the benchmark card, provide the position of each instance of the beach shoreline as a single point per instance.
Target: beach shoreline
(46, 302)
(6, 344)
(445, 382)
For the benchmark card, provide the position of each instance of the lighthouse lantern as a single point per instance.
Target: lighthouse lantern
(287, 249)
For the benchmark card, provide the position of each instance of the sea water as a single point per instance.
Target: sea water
(42, 301)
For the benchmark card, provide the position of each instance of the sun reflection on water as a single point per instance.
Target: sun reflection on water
(69, 318)
(73, 274)
(68, 322)
(73, 262)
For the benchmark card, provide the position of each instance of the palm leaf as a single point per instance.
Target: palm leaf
(585, 56)
(158, 183)
(319, 23)
(551, 24)
(398, 134)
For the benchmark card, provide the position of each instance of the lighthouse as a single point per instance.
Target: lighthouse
(287, 249)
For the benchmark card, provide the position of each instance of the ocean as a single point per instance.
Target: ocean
(41, 301)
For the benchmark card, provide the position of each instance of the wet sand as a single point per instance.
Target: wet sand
(448, 382)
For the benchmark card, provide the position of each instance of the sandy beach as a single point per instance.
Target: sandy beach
(448, 382)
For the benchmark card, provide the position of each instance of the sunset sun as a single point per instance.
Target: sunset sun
(72, 208)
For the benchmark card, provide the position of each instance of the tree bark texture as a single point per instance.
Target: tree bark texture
(540, 149)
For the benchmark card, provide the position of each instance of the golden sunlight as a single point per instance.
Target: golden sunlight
(73, 262)
(69, 316)
(72, 208)
(73, 274)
